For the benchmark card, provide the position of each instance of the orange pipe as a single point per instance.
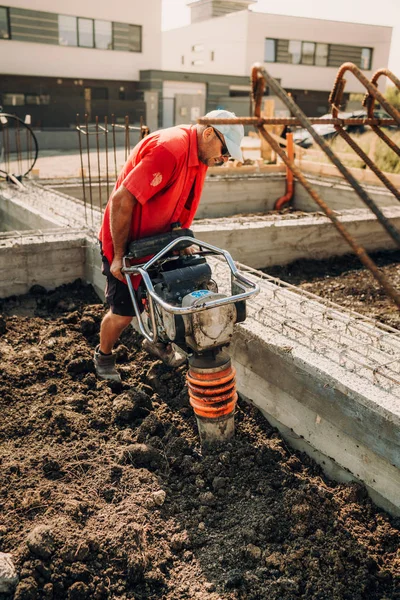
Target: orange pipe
(213, 394)
(279, 204)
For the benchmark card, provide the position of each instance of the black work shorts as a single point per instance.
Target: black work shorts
(117, 293)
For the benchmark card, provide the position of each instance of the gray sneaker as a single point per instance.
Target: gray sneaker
(170, 354)
(105, 366)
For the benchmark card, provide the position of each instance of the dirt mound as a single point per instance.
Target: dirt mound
(106, 493)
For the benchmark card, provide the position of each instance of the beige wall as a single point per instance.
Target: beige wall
(238, 42)
(26, 58)
(225, 36)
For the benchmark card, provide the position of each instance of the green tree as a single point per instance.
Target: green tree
(393, 96)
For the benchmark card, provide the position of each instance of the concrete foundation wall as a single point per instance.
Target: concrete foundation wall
(50, 260)
(14, 216)
(296, 366)
(264, 241)
(226, 195)
(339, 195)
(319, 415)
(232, 195)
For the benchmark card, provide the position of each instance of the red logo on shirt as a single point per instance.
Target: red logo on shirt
(157, 179)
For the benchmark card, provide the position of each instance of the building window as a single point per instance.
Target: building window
(366, 58)
(198, 48)
(67, 31)
(182, 60)
(85, 32)
(197, 63)
(212, 55)
(307, 53)
(103, 34)
(321, 55)
(4, 26)
(37, 99)
(13, 99)
(294, 52)
(135, 38)
(270, 50)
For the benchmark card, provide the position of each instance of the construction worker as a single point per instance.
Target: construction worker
(160, 184)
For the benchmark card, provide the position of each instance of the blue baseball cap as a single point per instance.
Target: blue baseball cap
(233, 134)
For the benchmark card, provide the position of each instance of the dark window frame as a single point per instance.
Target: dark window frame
(3, 94)
(370, 58)
(275, 40)
(327, 54)
(140, 37)
(77, 31)
(313, 58)
(78, 45)
(291, 53)
(7, 9)
(329, 46)
(93, 33)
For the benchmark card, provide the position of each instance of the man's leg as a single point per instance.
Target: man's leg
(113, 324)
(111, 328)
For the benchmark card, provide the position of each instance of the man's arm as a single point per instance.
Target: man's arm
(122, 205)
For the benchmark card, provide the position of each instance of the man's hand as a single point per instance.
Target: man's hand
(116, 267)
(186, 251)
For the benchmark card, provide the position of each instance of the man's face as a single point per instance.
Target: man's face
(212, 150)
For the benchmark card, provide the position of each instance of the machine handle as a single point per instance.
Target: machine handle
(239, 279)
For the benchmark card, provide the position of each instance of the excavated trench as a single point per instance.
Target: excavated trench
(107, 494)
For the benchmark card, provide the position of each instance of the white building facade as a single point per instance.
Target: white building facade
(302, 53)
(82, 52)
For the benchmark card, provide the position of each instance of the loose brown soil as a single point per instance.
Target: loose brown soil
(345, 281)
(105, 492)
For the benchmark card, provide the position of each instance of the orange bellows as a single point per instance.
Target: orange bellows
(212, 392)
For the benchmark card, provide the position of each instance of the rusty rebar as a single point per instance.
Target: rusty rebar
(78, 128)
(364, 157)
(114, 145)
(18, 148)
(369, 103)
(294, 121)
(385, 138)
(338, 87)
(358, 250)
(106, 145)
(369, 100)
(98, 164)
(89, 170)
(127, 142)
(294, 109)
(28, 147)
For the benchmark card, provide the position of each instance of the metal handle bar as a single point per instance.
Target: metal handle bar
(242, 282)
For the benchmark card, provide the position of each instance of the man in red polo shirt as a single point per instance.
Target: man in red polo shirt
(160, 184)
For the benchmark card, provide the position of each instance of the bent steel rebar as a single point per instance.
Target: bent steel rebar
(373, 91)
(295, 110)
(335, 100)
(93, 168)
(369, 103)
(260, 79)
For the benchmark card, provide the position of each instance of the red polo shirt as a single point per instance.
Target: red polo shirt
(164, 174)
